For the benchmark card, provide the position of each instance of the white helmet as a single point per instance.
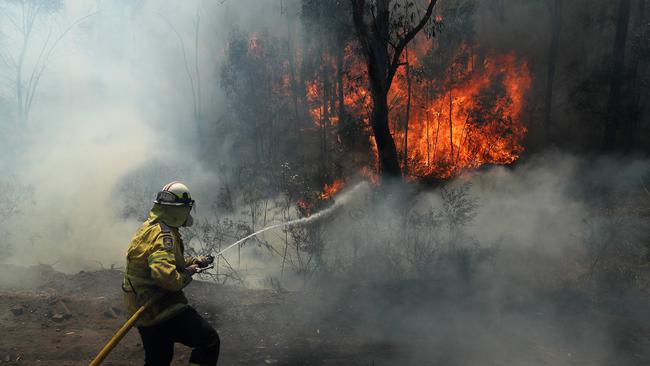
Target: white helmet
(174, 194)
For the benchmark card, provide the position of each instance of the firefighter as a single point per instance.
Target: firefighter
(155, 263)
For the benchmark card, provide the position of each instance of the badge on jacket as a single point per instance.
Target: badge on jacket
(168, 242)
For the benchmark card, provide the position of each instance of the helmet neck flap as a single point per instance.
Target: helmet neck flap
(174, 216)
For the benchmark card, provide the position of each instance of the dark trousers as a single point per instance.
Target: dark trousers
(188, 328)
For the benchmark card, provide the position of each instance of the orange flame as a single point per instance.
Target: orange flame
(304, 207)
(470, 118)
(470, 115)
(329, 190)
(468, 122)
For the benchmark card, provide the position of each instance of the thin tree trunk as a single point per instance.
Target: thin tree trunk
(502, 10)
(463, 137)
(408, 112)
(286, 237)
(292, 76)
(614, 109)
(435, 144)
(325, 119)
(426, 105)
(333, 95)
(451, 128)
(556, 28)
(339, 81)
(284, 256)
(27, 26)
(19, 87)
(637, 67)
(269, 150)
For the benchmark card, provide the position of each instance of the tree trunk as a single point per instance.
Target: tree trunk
(408, 112)
(435, 144)
(556, 28)
(388, 161)
(292, 75)
(630, 133)
(374, 40)
(428, 128)
(502, 10)
(339, 81)
(378, 62)
(614, 109)
(451, 128)
(20, 88)
(325, 121)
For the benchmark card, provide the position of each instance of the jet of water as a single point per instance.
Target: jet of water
(339, 201)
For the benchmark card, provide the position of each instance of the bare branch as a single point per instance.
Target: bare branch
(407, 38)
(38, 70)
(13, 22)
(4, 60)
(185, 61)
(31, 82)
(359, 24)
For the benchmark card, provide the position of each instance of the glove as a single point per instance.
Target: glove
(191, 270)
(204, 260)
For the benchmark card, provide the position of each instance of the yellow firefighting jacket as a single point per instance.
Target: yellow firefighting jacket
(154, 264)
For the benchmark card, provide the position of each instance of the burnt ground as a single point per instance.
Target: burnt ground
(51, 318)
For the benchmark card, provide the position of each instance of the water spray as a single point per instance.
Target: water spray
(340, 201)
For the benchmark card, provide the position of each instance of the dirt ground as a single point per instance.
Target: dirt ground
(51, 318)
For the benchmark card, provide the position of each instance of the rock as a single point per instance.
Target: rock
(59, 311)
(63, 308)
(110, 313)
(60, 317)
(18, 310)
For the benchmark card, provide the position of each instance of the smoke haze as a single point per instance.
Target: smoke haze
(115, 97)
(488, 254)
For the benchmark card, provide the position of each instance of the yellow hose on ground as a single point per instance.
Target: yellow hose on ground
(122, 331)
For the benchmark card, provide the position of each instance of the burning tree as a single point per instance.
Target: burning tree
(384, 29)
(456, 105)
(437, 106)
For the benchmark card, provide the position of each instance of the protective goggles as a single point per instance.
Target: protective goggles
(170, 199)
